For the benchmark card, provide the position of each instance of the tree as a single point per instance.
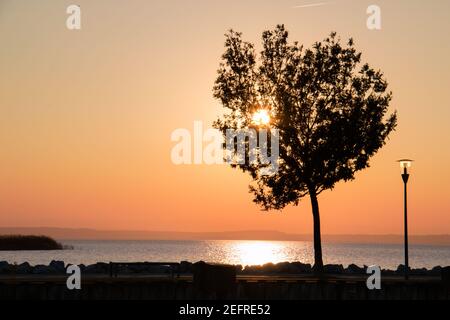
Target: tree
(330, 111)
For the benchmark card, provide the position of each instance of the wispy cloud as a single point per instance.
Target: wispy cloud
(309, 5)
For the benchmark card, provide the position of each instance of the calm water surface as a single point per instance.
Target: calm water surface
(233, 252)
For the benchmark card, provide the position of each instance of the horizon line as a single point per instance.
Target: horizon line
(225, 231)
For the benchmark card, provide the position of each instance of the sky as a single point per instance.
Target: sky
(86, 115)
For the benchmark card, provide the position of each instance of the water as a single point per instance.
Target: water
(234, 252)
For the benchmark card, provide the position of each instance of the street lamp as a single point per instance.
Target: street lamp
(405, 165)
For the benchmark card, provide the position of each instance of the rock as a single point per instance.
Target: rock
(333, 268)
(24, 268)
(58, 266)
(445, 275)
(401, 269)
(158, 269)
(279, 268)
(139, 268)
(250, 269)
(292, 268)
(268, 267)
(282, 267)
(354, 269)
(185, 267)
(124, 269)
(298, 267)
(92, 268)
(419, 272)
(99, 267)
(387, 272)
(253, 269)
(103, 267)
(42, 269)
(436, 271)
(5, 267)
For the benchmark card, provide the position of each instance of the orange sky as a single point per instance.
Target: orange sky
(86, 116)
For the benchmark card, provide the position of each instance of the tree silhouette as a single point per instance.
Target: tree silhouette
(329, 108)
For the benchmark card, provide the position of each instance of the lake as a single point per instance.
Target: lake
(234, 252)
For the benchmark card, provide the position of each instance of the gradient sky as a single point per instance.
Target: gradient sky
(86, 116)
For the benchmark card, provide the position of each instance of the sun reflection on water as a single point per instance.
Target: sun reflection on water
(259, 252)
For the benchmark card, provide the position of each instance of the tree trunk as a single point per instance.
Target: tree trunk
(318, 262)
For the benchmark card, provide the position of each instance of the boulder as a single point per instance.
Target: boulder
(158, 269)
(58, 266)
(185, 267)
(298, 267)
(124, 269)
(252, 270)
(333, 268)
(436, 271)
(279, 268)
(282, 267)
(388, 272)
(419, 272)
(354, 269)
(92, 268)
(445, 276)
(238, 268)
(5, 267)
(268, 268)
(42, 269)
(99, 267)
(24, 268)
(138, 268)
(401, 269)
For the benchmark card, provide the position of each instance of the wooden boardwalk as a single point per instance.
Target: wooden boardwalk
(95, 278)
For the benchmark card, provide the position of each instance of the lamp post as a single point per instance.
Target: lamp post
(405, 165)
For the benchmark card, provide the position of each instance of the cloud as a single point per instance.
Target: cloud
(309, 5)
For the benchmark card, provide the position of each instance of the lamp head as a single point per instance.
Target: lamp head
(405, 165)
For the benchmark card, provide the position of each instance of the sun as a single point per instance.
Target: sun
(261, 117)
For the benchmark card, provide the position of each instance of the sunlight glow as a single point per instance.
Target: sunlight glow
(405, 165)
(261, 117)
(260, 252)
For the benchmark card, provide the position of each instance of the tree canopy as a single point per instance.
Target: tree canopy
(330, 109)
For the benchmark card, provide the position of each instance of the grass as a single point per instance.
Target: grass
(25, 242)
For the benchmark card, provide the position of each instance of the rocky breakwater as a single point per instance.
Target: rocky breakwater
(185, 267)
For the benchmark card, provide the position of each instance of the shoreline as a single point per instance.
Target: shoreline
(184, 267)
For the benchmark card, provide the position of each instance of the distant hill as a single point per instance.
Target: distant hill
(92, 234)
